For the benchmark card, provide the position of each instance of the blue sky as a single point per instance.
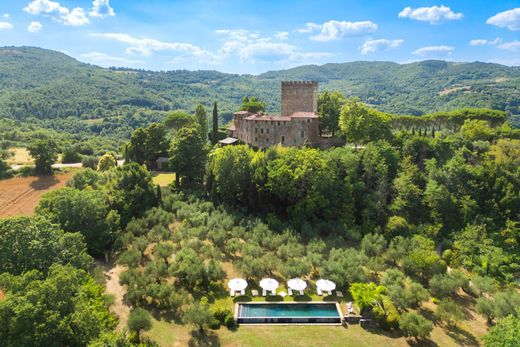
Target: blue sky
(257, 36)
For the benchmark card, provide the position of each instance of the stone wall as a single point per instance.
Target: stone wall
(299, 96)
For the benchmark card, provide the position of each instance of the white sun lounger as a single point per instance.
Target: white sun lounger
(319, 291)
(290, 291)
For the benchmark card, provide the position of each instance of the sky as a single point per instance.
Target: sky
(257, 36)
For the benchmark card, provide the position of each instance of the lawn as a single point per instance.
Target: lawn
(163, 179)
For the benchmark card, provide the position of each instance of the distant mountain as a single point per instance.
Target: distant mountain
(56, 90)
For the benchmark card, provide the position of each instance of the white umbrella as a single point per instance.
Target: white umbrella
(269, 284)
(325, 285)
(237, 284)
(297, 284)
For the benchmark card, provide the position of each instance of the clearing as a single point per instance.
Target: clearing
(20, 195)
(163, 179)
(19, 156)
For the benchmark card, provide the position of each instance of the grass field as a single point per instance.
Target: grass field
(19, 156)
(20, 195)
(163, 179)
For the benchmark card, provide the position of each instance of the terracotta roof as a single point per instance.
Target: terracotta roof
(242, 112)
(268, 118)
(304, 115)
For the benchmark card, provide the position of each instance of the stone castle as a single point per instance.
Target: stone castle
(297, 125)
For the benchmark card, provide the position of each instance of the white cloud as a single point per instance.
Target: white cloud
(334, 29)
(251, 47)
(434, 14)
(434, 50)
(371, 46)
(34, 27)
(75, 17)
(282, 35)
(6, 15)
(146, 46)
(107, 60)
(5, 26)
(483, 42)
(508, 19)
(511, 46)
(101, 8)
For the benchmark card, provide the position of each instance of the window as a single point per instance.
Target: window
(283, 139)
(278, 123)
(303, 134)
(256, 139)
(308, 121)
(261, 130)
(267, 139)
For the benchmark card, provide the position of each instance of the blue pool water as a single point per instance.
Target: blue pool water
(303, 310)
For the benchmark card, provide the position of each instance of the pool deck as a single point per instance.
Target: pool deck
(338, 308)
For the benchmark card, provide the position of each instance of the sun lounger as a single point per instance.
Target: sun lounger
(273, 292)
(301, 292)
(290, 291)
(243, 292)
(231, 292)
(254, 292)
(339, 294)
(320, 293)
(264, 292)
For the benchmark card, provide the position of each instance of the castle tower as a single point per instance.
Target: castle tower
(299, 96)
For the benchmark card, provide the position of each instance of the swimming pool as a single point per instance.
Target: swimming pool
(288, 312)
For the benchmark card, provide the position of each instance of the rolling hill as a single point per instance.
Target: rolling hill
(52, 90)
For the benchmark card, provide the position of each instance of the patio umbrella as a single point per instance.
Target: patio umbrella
(325, 285)
(297, 284)
(269, 284)
(237, 284)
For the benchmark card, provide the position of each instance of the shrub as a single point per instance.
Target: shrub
(221, 314)
(230, 321)
(90, 162)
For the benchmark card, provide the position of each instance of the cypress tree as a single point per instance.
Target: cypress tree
(214, 135)
(433, 131)
(159, 195)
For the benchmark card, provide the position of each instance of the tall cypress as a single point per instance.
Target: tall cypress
(214, 134)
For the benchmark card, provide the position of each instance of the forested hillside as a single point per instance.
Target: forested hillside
(43, 89)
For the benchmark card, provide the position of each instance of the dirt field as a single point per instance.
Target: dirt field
(20, 195)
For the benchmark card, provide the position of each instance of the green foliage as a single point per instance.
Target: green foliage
(473, 130)
(65, 308)
(139, 320)
(90, 162)
(33, 243)
(366, 294)
(45, 153)
(202, 120)
(188, 156)
(107, 162)
(361, 125)
(199, 315)
(71, 155)
(252, 104)
(329, 107)
(415, 325)
(130, 191)
(506, 333)
(449, 312)
(147, 144)
(85, 211)
(214, 123)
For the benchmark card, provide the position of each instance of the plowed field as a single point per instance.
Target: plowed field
(20, 195)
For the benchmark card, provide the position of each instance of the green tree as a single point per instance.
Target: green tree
(130, 191)
(107, 162)
(139, 320)
(202, 120)
(178, 120)
(449, 312)
(199, 315)
(84, 211)
(361, 125)
(147, 144)
(5, 169)
(188, 156)
(366, 294)
(34, 243)
(329, 107)
(214, 132)
(45, 153)
(252, 104)
(506, 333)
(64, 308)
(486, 307)
(415, 325)
(474, 129)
